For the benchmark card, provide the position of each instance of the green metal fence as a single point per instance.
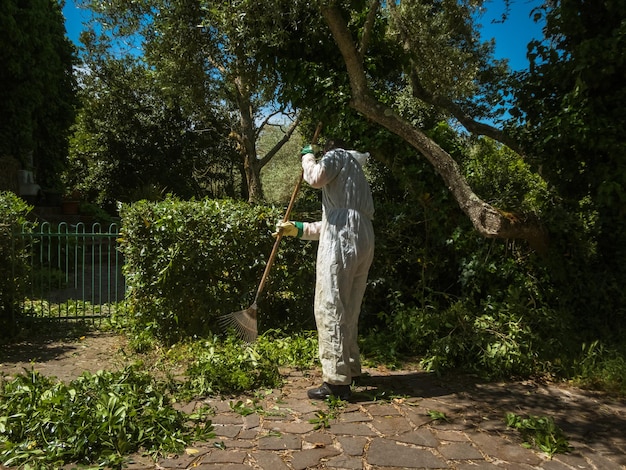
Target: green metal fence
(76, 271)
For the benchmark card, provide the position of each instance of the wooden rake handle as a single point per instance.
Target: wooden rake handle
(279, 236)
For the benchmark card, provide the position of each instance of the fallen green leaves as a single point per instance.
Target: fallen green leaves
(97, 419)
(539, 432)
(437, 415)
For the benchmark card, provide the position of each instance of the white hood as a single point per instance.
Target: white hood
(359, 156)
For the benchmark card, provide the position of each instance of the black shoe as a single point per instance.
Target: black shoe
(361, 379)
(326, 390)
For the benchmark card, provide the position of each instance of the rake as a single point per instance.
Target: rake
(244, 322)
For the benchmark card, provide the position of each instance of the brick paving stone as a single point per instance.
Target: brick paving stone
(460, 451)
(241, 444)
(251, 421)
(453, 436)
(298, 406)
(428, 404)
(421, 437)
(555, 465)
(480, 465)
(501, 449)
(280, 443)
(269, 461)
(391, 424)
(248, 433)
(186, 408)
(224, 456)
(617, 458)
(417, 416)
(222, 466)
(319, 438)
(352, 446)
(227, 418)
(574, 460)
(345, 462)
(277, 416)
(367, 431)
(470, 422)
(226, 430)
(518, 466)
(351, 429)
(354, 417)
(351, 407)
(382, 410)
(492, 425)
(181, 461)
(454, 423)
(289, 427)
(606, 447)
(220, 406)
(386, 453)
(308, 417)
(311, 457)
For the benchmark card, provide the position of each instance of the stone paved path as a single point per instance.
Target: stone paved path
(388, 424)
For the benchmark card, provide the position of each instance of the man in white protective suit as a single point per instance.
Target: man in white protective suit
(344, 256)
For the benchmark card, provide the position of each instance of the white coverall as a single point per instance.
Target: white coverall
(344, 256)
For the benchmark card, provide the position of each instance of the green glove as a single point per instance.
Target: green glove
(289, 229)
(311, 148)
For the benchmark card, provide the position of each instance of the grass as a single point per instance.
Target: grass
(601, 368)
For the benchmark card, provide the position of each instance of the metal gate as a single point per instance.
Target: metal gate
(76, 271)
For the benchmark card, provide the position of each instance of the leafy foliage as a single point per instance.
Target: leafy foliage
(134, 138)
(188, 262)
(600, 367)
(540, 432)
(504, 179)
(436, 289)
(201, 57)
(96, 419)
(572, 102)
(14, 269)
(229, 365)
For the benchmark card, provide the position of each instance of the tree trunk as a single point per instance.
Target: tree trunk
(247, 142)
(489, 221)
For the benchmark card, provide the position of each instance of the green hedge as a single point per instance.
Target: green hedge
(189, 262)
(13, 268)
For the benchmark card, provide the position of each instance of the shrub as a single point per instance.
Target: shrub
(189, 262)
(14, 268)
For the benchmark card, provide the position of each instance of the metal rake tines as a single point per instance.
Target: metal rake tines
(244, 323)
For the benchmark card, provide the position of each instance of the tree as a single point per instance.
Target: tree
(573, 102)
(572, 107)
(385, 60)
(204, 48)
(37, 97)
(134, 140)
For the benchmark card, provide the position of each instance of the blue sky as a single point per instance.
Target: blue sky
(511, 37)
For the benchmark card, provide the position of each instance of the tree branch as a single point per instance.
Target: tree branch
(274, 150)
(487, 220)
(467, 121)
(368, 27)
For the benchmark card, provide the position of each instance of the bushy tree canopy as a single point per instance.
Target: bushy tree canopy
(37, 97)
